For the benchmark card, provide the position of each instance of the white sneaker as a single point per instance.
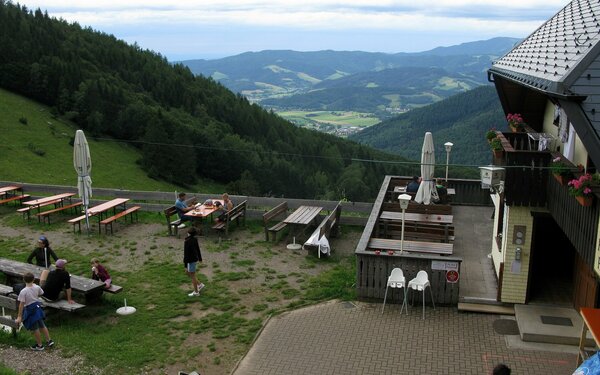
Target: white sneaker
(200, 287)
(194, 294)
(181, 226)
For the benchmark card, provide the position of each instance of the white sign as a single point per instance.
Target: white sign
(444, 266)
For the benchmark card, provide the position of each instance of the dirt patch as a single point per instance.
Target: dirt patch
(263, 276)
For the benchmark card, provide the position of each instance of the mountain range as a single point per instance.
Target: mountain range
(379, 83)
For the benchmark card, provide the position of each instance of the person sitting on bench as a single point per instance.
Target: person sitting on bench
(42, 253)
(413, 186)
(225, 208)
(182, 208)
(53, 282)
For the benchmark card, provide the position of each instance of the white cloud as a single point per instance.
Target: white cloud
(473, 19)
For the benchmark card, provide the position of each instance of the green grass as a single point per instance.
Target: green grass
(39, 152)
(335, 118)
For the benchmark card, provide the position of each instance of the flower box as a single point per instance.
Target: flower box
(585, 200)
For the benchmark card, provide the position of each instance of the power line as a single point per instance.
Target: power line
(298, 155)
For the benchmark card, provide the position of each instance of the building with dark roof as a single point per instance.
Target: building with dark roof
(544, 240)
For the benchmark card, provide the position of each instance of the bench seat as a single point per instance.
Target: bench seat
(46, 214)
(77, 220)
(385, 244)
(235, 213)
(114, 289)
(279, 210)
(108, 221)
(329, 226)
(62, 304)
(19, 198)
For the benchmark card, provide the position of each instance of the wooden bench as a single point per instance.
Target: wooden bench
(19, 198)
(328, 227)
(62, 304)
(28, 209)
(271, 214)
(235, 213)
(418, 231)
(46, 214)
(77, 220)
(114, 289)
(173, 225)
(108, 221)
(385, 244)
(437, 209)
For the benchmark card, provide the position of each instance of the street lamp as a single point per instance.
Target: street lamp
(404, 199)
(448, 146)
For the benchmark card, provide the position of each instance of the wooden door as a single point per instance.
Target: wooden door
(585, 285)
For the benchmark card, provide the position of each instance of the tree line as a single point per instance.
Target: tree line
(185, 126)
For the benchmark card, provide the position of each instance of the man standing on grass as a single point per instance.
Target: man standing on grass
(31, 312)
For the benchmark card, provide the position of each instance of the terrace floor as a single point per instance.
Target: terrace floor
(355, 338)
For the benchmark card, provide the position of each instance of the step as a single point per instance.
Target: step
(486, 308)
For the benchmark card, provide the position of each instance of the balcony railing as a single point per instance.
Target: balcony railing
(526, 170)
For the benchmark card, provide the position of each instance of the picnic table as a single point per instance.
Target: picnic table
(15, 271)
(416, 217)
(4, 190)
(37, 204)
(202, 211)
(301, 218)
(100, 209)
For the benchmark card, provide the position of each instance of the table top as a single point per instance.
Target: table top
(107, 205)
(36, 202)
(303, 215)
(18, 269)
(591, 318)
(6, 189)
(412, 246)
(414, 217)
(203, 210)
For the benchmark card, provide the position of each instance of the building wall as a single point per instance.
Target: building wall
(516, 272)
(580, 154)
(496, 252)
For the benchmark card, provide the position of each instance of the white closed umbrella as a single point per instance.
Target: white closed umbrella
(83, 166)
(427, 189)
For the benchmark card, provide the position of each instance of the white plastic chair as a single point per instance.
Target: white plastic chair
(420, 283)
(396, 280)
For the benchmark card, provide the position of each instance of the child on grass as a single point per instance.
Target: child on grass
(31, 312)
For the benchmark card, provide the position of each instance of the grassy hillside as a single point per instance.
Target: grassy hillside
(39, 152)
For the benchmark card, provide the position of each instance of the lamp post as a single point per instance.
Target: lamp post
(404, 199)
(448, 146)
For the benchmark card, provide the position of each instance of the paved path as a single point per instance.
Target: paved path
(346, 338)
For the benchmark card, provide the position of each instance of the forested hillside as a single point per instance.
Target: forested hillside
(184, 126)
(461, 119)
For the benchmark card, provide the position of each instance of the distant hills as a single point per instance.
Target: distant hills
(185, 128)
(350, 80)
(462, 119)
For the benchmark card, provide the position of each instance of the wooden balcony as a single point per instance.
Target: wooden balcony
(526, 170)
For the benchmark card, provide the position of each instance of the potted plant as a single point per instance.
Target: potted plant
(491, 134)
(581, 189)
(497, 148)
(561, 170)
(515, 121)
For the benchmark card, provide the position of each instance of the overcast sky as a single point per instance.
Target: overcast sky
(217, 28)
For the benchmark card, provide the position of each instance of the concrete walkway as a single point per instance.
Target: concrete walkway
(355, 338)
(346, 338)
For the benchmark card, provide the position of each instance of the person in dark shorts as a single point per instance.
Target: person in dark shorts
(191, 257)
(31, 313)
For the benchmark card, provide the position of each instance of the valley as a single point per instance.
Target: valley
(339, 123)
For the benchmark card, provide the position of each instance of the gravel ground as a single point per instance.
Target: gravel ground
(48, 362)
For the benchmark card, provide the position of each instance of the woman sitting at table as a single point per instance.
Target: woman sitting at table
(43, 253)
(225, 207)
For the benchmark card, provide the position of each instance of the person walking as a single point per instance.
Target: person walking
(191, 257)
(31, 312)
(43, 253)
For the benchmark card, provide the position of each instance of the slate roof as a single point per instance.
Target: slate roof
(553, 56)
